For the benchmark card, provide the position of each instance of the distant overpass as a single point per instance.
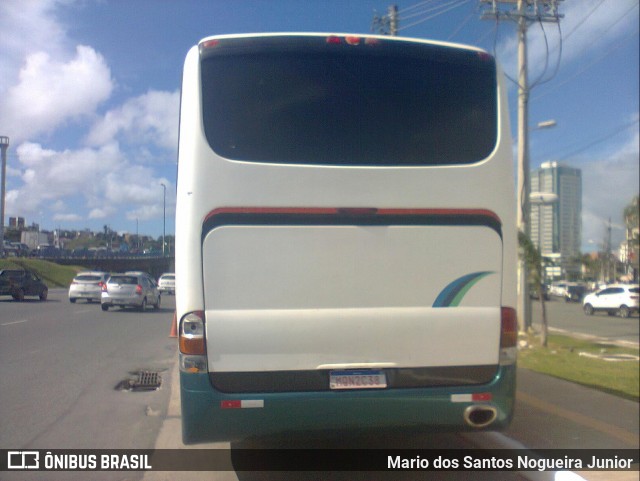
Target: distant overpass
(153, 265)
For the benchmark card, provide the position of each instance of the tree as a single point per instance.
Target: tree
(631, 214)
(533, 259)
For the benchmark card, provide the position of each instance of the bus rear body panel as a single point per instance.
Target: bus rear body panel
(326, 280)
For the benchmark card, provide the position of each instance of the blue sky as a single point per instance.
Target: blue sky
(90, 94)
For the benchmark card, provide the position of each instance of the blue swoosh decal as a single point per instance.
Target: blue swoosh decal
(454, 292)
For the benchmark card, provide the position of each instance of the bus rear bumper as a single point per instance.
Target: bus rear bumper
(211, 416)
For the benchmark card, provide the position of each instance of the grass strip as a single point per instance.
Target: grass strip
(53, 275)
(590, 363)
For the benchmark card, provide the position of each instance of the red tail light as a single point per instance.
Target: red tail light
(211, 43)
(509, 330)
(139, 289)
(352, 40)
(104, 287)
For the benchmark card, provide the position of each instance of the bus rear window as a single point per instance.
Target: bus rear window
(310, 102)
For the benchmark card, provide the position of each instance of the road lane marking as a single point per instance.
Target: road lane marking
(14, 322)
(621, 434)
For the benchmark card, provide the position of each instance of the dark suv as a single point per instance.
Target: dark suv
(18, 284)
(575, 293)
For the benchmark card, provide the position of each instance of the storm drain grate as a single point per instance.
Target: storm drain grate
(144, 381)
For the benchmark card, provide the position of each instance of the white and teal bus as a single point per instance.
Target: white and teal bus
(345, 237)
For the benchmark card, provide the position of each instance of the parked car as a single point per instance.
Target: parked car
(87, 285)
(618, 298)
(21, 283)
(575, 293)
(167, 283)
(131, 289)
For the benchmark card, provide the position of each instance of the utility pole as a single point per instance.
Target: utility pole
(387, 24)
(164, 214)
(525, 12)
(4, 145)
(393, 20)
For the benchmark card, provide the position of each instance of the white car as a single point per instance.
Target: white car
(167, 283)
(558, 289)
(88, 286)
(617, 298)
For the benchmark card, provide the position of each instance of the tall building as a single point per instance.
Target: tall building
(556, 225)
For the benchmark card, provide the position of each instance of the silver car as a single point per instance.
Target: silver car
(132, 289)
(88, 286)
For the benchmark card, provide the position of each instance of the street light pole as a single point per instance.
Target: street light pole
(164, 213)
(4, 145)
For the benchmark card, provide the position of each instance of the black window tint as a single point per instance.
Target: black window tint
(88, 278)
(123, 280)
(391, 104)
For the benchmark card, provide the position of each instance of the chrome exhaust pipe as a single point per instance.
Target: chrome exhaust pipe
(480, 415)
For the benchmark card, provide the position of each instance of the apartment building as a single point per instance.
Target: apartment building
(556, 225)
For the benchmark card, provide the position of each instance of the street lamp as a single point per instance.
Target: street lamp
(547, 124)
(164, 213)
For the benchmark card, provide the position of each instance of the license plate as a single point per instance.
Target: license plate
(365, 379)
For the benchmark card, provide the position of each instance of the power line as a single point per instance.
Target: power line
(417, 5)
(541, 80)
(462, 24)
(618, 130)
(425, 10)
(583, 20)
(454, 4)
(605, 55)
(600, 58)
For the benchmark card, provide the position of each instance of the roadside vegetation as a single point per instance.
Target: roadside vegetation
(606, 367)
(53, 275)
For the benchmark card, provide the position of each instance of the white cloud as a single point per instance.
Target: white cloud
(100, 213)
(90, 183)
(149, 118)
(51, 91)
(67, 218)
(27, 26)
(608, 186)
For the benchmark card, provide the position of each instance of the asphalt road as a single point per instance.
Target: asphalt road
(60, 364)
(568, 316)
